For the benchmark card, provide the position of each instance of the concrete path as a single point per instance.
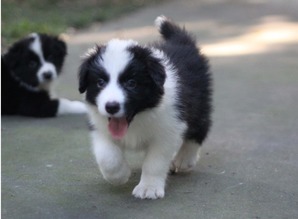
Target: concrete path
(249, 162)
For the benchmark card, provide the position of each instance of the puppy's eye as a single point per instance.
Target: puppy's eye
(131, 84)
(101, 83)
(32, 64)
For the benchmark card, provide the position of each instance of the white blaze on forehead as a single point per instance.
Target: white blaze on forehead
(116, 56)
(36, 46)
(114, 60)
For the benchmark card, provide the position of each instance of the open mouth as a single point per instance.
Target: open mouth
(118, 127)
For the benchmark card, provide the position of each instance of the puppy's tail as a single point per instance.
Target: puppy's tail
(172, 32)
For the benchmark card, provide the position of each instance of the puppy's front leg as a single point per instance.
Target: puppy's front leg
(66, 106)
(110, 159)
(155, 169)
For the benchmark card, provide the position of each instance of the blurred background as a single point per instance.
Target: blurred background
(21, 17)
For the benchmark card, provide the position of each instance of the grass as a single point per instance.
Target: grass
(21, 17)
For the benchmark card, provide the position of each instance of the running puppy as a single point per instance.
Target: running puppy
(156, 98)
(28, 70)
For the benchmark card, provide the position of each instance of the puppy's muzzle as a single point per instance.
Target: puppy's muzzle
(47, 76)
(112, 107)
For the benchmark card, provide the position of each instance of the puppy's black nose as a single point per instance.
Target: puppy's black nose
(47, 76)
(112, 107)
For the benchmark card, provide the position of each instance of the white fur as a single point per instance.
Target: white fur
(110, 159)
(116, 56)
(160, 20)
(157, 131)
(45, 66)
(186, 158)
(111, 93)
(74, 107)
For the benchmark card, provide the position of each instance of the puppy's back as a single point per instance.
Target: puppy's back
(194, 78)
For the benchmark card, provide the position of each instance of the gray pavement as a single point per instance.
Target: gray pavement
(249, 163)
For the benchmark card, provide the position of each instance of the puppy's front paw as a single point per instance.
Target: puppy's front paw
(117, 177)
(79, 107)
(148, 191)
(71, 107)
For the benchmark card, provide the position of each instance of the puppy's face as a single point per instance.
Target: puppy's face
(121, 80)
(36, 60)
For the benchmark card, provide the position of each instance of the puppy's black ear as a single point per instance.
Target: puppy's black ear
(88, 63)
(152, 64)
(15, 53)
(5, 70)
(56, 44)
(156, 71)
(83, 76)
(61, 46)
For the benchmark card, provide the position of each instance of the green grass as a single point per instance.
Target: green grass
(20, 17)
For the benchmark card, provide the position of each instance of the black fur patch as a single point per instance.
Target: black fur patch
(149, 76)
(195, 82)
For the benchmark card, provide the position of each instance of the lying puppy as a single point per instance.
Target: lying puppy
(156, 98)
(28, 70)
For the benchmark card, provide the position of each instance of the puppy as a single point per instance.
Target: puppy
(156, 98)
(28, 70)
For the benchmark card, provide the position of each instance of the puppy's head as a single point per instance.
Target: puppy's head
(36, 60)
(121, 79)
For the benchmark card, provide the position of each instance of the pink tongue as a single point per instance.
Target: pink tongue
(118, 127)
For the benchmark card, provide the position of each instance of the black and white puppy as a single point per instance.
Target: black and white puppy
(28, 70)
(156, 98)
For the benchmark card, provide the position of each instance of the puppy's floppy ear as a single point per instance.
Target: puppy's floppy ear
(55, 43)
(156, 71)
(61, 46)
(15, 53)
(88, 63)
(4, 68)
(153, 65)
(83, 76)
(62, 39)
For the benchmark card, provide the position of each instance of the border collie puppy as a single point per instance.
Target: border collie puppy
(156, 98)
(28, 70)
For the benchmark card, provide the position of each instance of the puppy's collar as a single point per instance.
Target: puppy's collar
(23, 84)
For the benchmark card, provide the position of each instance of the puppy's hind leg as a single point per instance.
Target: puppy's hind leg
(186, 158)
(155, 168)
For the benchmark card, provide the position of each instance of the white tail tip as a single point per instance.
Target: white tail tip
(160, 20)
